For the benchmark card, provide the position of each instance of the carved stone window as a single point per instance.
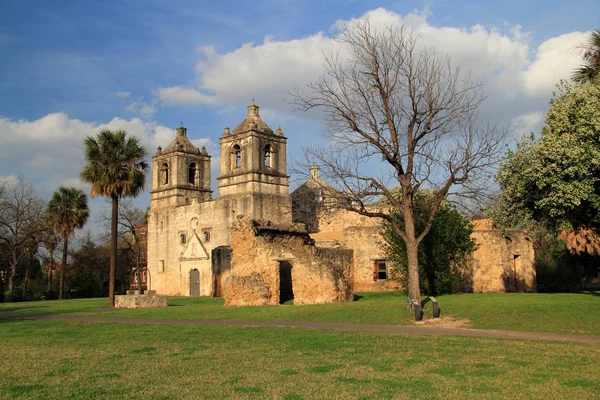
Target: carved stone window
(182, 238)
(268, 154)
(164, 174)
(206, 236)
(237, 156)
(192, 173)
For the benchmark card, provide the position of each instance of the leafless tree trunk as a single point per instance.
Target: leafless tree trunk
(21, 224)
(398, 115)
(130, 222)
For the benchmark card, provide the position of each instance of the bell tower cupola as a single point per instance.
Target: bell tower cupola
(180, 172)
(253, 168)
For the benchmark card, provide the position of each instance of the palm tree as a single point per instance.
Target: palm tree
(591, 55)
(50, 241)
(116, 169)
(68, 210)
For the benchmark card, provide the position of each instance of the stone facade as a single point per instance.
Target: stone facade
(361, 234)
(185, 224)
(274, 263)
(502, 262)
(244, 246)
(199, 246)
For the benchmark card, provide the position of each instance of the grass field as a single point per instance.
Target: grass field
(558, 313)
(43, 359)
(53, 359)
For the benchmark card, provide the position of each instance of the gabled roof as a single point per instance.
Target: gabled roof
(194, 249)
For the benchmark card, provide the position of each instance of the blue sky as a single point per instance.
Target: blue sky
(70, 68)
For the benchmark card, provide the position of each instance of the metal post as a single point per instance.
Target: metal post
(436, 307)
(418, 313)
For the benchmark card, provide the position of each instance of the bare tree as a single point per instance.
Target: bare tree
(398, 115)
(131, 233)
(50, 241)
(22, 220)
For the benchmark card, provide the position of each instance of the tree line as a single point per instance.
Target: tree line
(32, 230)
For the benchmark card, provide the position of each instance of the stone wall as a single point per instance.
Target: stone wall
(260, 252)
(503, 262)
(366, 243)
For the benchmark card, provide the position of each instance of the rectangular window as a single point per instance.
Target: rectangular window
(161, 266)
(380, 271)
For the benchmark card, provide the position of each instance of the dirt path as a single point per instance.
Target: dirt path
(405, 329)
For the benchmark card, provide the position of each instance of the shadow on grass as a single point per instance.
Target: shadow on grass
(357, 297)
(590, 292)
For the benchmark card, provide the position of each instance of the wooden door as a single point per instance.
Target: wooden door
(194, 283)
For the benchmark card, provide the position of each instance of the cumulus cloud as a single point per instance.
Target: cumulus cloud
(49, 150)
(123, 95)
(142, 108)
(518, 80)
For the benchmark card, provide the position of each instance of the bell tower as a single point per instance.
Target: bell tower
(180, 173)
(253, 175)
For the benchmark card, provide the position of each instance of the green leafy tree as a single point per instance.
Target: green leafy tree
(68, 210)
(443, 252)
(554, 179)
(591, 56)
(115, 168)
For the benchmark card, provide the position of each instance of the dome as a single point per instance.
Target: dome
(253, 122)
(181, 143)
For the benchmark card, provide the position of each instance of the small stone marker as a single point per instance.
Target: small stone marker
(418, 313)
(436, 307)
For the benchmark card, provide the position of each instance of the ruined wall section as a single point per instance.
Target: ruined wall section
(367, 242)
(503, 262)
(318, 275)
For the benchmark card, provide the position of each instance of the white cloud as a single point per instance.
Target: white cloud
(556, 59)
(8, 179)
(144, 109)
(49, 151)
(183, 96)
(123, 95)
(518, 80)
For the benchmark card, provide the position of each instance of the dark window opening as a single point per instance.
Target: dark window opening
(380, 271)
(237, 156)
(182, 238)
(286, 292)
(164, 170)
(268, 154)
(206, 236)
(192, 174)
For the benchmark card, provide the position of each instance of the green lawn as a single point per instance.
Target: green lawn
(53, 359)
(559, 313)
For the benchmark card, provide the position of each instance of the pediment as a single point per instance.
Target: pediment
(194, 249)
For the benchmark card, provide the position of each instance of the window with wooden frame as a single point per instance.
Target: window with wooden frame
(380, 271)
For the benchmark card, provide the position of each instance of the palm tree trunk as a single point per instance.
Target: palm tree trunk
(64, 267)
(113, 251)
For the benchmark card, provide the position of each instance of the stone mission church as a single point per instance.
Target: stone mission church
(249, 246)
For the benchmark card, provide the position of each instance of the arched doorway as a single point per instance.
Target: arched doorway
(194, 283)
